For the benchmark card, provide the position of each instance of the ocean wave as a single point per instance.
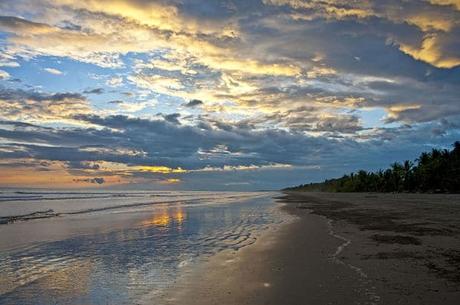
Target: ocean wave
(50, 213)
(42, 198)
(45, 196)
(30, 216)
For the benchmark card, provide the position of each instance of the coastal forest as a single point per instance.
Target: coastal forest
(437, 171)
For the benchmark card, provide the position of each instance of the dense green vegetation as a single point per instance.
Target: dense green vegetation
(435, 171)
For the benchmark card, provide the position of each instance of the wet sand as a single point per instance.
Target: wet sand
(127, 255)
(340, 249)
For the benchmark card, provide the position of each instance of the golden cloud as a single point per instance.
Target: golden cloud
(395, 111)
(158, 169)
(430, 51)
(55, 174)
(428, 19)
(455, 3)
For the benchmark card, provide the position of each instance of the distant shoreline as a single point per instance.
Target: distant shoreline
(437, 171)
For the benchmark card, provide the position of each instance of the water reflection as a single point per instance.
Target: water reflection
(124, 265)
(166, 216)
(60, 283)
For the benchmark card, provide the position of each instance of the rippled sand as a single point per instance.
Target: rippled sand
(342, 249)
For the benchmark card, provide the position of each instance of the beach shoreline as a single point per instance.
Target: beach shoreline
(341, 249)
(126, 254)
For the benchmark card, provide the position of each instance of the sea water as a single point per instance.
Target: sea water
(110, 247)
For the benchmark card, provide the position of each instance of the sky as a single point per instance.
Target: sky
(222, 94)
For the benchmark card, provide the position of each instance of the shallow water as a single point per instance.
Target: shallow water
(122, 255)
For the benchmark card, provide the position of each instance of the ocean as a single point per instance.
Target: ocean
(118, 247)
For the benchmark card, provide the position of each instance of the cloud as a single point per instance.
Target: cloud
(173, 118)
(53, 71)
(96, 180)
(94, 91)
(159, 142)
(284, 82)
(102, 41)
(34, 39)
(454, 3)
(243, 167)
(193, 103)
(83, 165)
(34, 106)
(4, 75)
(115, 81)
(437, 49)
(132, 107)
(133, 149)
(438, 24)
(7, 60)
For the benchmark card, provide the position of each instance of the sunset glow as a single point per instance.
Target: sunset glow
(221, 94)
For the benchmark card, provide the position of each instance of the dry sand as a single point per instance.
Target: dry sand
(341, 249)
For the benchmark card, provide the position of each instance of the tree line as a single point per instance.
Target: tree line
(437, 171)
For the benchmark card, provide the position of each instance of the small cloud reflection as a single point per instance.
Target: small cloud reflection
(165, 217)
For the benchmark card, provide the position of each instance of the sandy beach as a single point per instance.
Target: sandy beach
(340, 249)
(229, 152)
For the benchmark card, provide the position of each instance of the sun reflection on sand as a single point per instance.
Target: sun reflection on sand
(165, 217)
(129, 257)
(70, 280)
